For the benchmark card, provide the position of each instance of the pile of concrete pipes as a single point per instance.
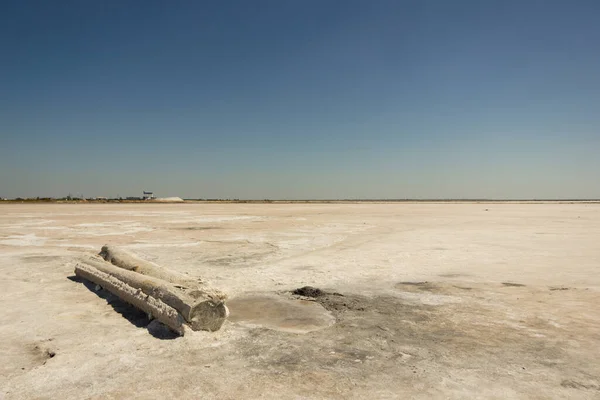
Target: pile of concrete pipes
(175, 299)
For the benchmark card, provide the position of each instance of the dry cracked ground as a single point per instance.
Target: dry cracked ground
(441, 300)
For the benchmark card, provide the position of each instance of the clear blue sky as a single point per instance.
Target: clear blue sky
(301, 99)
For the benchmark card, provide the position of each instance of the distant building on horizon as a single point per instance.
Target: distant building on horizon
(148, 196)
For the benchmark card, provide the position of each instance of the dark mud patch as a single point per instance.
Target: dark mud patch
(512, 284)
(414, 283)
(377, 335)
(368, 331)
(572, 384)
(338, 303)
(393, 339)
(309, 291)
(463, 287)
(333, 301)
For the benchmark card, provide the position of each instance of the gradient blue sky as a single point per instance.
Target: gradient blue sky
(301, 99)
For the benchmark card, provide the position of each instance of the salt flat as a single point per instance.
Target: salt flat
(431, 300)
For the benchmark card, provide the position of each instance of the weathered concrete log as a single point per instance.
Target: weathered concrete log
(123, 259)
(136, 297)
(200, 310)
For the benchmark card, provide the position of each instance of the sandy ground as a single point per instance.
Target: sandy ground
(429, 301)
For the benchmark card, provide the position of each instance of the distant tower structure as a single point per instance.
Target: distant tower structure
(148, 195)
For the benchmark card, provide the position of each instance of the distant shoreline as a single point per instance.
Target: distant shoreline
(266, 201)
